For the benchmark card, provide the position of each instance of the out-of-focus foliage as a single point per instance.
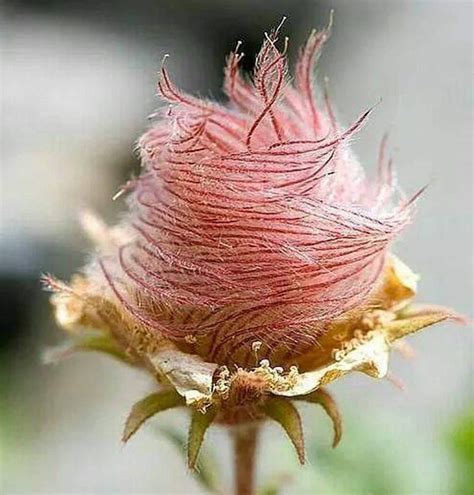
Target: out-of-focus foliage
(3, 441)
(461, 444)
(373, 459)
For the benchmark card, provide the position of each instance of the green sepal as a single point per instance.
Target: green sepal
(148, 407)
(285, 413)
(325, 400)
(200, 422)
(206, 470)
(415, 318)
(96, 343)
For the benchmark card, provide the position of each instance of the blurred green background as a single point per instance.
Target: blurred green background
(78, 80)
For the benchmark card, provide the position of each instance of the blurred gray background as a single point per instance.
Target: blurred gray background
(78, 80)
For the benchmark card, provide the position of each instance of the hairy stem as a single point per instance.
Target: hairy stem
(245, 439)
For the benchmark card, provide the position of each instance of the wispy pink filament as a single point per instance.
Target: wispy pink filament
(256, 211)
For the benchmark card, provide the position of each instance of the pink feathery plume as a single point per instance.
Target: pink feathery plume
(252, 221)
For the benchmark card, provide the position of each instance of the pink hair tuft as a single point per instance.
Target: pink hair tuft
(253, 220)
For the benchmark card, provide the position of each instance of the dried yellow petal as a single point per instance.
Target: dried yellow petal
(370, 356)
(396, 291)
(399, 286)
(188, 373)
(104, 237)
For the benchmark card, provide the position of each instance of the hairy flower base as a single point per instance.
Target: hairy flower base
(218, 394)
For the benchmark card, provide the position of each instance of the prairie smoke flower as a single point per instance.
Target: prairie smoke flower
(254, 265)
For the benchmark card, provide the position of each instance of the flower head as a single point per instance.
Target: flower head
(253, 220)
(253, 267)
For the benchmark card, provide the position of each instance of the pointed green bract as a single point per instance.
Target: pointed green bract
(97, 343)
(415, 318)
(206, 471)
(200, 422)
(285, 413)
(325, 400)
(148, 407)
